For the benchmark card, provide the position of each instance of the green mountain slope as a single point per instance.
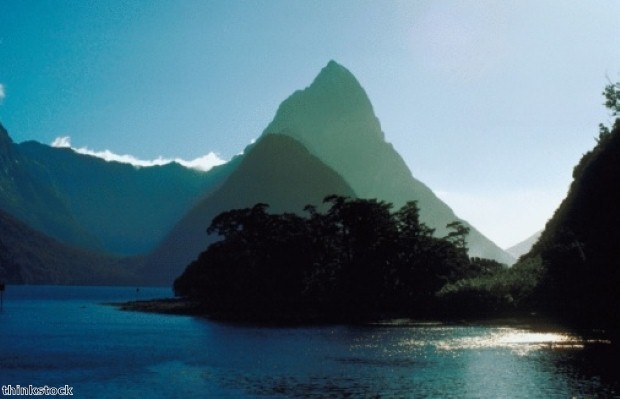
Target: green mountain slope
(30, 257)
(334, 119)
(277, 170)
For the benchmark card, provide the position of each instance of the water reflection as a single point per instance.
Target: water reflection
(432, 361)
(519, 341)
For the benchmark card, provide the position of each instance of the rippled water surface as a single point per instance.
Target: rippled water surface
(65, 335)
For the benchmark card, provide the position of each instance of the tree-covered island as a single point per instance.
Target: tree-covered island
(358, 260)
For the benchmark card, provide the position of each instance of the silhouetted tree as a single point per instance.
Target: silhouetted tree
(612, 97)
(458, 235)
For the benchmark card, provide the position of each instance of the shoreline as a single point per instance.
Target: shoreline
(170, 306)
(187, 307)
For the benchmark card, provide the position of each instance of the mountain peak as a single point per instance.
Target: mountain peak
(335, 69)
(335, 78)
(335, 105)
(333, 64)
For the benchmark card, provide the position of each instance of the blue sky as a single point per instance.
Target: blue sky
(490, 103)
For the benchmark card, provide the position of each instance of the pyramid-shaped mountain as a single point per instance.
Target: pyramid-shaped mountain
(277, 171)
(334, 119)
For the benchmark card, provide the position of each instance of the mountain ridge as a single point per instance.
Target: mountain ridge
(128, 209)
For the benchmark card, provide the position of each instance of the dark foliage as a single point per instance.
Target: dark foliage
(579, 247)
(357, 260)
(493, 291)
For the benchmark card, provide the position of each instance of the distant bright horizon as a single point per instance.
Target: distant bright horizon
(491, 104)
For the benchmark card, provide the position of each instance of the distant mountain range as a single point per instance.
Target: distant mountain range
(87, 202)
(524, 246)
(323, 140)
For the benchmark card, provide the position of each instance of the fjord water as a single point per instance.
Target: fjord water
(60, 336)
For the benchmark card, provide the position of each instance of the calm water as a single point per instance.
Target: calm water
(63, 335)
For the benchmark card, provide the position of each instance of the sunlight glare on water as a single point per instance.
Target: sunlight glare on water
(519, 340)
(522, 342)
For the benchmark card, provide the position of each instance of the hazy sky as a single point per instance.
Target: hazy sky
(490, 103)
